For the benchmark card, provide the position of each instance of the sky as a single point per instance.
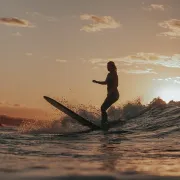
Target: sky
(56, 48)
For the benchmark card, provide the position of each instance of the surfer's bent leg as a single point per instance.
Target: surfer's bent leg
(106, 104)
(104, 107)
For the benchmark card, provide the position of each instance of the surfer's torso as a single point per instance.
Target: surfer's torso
(112, 82)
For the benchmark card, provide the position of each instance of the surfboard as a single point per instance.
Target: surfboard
(72, 114)
(77, 117)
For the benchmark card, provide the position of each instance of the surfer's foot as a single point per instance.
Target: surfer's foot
(105, 126)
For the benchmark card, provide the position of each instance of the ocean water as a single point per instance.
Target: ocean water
(145, 147)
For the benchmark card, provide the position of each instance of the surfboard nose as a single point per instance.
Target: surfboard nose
(45, 97)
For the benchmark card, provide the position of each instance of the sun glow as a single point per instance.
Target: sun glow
(169, 94)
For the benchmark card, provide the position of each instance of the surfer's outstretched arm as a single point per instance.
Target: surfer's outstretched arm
(100, 82)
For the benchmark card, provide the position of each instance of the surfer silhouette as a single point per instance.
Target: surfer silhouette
(112, 92)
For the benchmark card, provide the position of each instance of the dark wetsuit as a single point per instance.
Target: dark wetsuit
(112, 94)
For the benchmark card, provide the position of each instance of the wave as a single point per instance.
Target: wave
(158, 116)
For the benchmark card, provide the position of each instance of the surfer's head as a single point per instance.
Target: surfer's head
(111, 66)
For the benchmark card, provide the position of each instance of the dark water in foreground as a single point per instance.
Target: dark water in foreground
(150, 149)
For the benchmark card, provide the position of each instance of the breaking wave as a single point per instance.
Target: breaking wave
(157, 116)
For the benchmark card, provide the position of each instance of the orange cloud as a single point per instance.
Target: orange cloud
(99, 23)
(173, 25)
(15, 22)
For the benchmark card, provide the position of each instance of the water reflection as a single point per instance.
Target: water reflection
(110, 154)
(142, 157)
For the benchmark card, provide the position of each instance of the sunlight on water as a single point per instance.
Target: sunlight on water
(149, 146)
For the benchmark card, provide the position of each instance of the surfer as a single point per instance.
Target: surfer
(112, 92)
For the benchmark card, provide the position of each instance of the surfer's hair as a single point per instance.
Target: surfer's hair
(112, 64)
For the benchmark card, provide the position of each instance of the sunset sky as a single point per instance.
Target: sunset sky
(57, 47)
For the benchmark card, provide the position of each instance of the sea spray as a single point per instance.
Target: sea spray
(60, 123)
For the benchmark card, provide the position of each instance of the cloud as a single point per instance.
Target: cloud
(7, 104)
(22, 111)
(17, 105)
(158, 7)
(139, 71)
(4, 103)
(97, 60)
(99, 23)
(152, 59)
(48, 18)
(29, 54)
(61, 60)
(173, 25)
(18, 34)
(135, 63)
(175, 80)
(95, 67)
(15, 22)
